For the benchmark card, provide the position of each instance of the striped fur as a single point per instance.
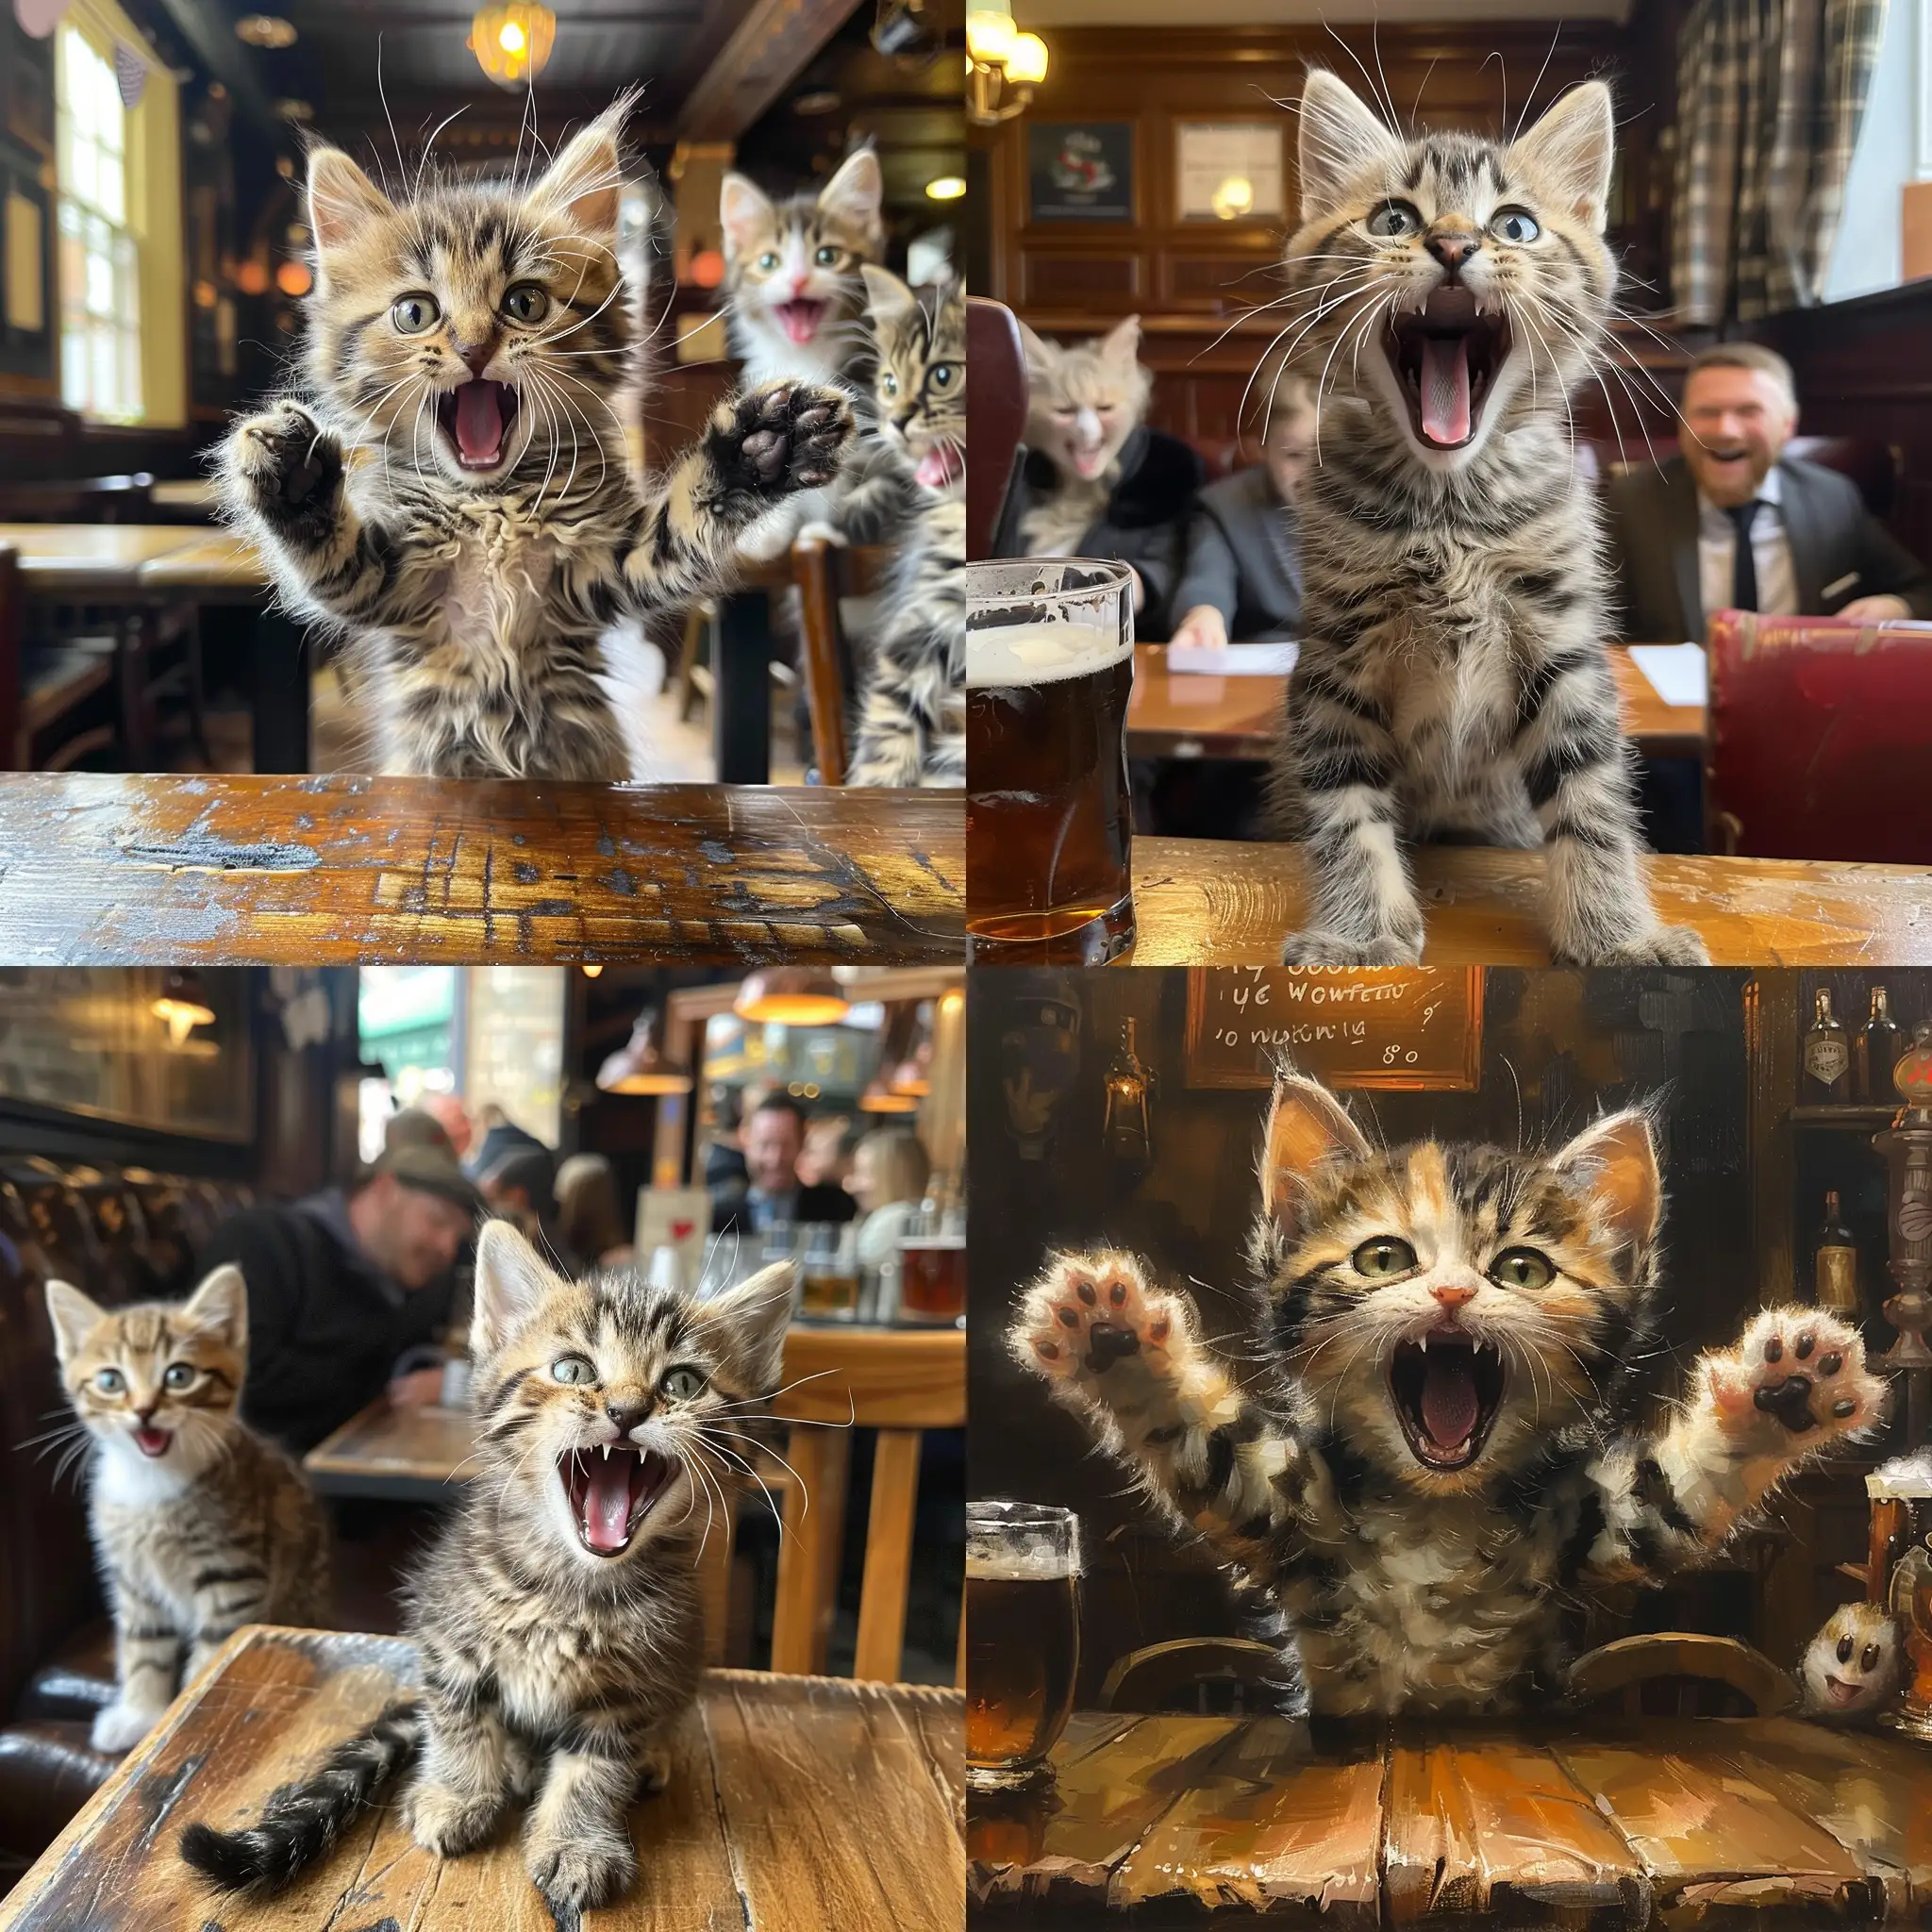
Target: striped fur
(550, 1672)
(911, 726)
(471, 595)
(1453, 684)
(1410, 1587)
(199, 1525)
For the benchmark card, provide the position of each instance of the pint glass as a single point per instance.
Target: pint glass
(1023, 1637)
(1049, 825)
(1901, 1579)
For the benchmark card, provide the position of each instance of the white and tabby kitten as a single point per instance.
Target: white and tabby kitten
(1452, 683)
(199, 1525)
(1083, 403)
(912, 706)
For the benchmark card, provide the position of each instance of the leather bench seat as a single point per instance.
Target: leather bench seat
(48, 1770)
(76, 1680)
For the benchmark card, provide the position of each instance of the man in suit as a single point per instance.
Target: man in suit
(773, 1138)
(1809, 545)
(1241, 577)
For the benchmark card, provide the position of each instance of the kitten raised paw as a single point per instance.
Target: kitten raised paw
(780, 439)
(120, 1726)
(1336, 949)
(1795, 1381)
(291, 466)
(577, 1874)
(1089, 1313)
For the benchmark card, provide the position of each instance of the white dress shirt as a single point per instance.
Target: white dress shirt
(1771, 551)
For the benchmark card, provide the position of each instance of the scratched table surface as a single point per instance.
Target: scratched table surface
(1170, 1821)
(793, 1803)
(111, 870)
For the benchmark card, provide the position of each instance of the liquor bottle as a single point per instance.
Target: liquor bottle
(1836, 1269)
(1827, 1077)
(1877, 1051)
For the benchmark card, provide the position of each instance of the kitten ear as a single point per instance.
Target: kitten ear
(1122, 343)
(510, 1280)
(342, 201)
(1615, 1163)
(888, 298)
(1042, 356)
(1573, 147)
(857, 188)
(220, 1305)
(752, 1321)
(1339, 136)
(743, 208)
(1307, 1128)
(584, 181)
(74, 1316)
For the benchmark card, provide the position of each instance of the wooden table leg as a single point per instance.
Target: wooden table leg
(13, 753)
(715, 1582)
(888, 1556)
(742, 689)
(809, 1548)
(280, 656)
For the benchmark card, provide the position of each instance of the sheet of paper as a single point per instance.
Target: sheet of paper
(1234, 660)
(1678, 673)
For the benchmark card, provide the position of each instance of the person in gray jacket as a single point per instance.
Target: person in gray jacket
(1241, 578)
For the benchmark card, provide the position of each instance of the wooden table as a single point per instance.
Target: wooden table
(1654, 1821)
(793, 1802)
(230, 871)
(1203, 902)
(1190, 714)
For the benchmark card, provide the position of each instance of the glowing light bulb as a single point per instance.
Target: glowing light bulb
(511, 37)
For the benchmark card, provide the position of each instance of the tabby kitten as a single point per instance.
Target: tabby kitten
(1452, 683)
(1082, 404)
(911, 706)
(199, 1525)
(449, 491)
(1438, 1450)
(558, 1618)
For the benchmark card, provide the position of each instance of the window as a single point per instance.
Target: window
(100, 259)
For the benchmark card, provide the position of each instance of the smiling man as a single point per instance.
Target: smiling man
(1734, 522)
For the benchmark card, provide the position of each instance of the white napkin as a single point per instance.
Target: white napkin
(1234, 660)
(1679, 674)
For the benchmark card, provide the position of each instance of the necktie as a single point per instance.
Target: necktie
(1743, 563)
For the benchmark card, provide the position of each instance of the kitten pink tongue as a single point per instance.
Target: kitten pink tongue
(1446, 392)
(801, 318)
(607, 1501)
(937, 468)
(479, 421)
(1449, 1403)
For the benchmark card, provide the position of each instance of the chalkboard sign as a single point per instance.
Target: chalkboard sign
(1420, 1028)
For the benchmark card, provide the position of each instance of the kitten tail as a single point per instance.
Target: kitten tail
(300, 1822)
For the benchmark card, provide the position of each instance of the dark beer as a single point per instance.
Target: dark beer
(932, 1277)
(1023, 1637)
(1049, 823)
(1901, 1504)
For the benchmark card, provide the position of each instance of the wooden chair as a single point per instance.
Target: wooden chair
(1201, 1675)
(900, 1382)
(827, 572)
(1682, 1675)
(995, 417)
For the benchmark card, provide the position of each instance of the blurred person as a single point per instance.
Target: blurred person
(826, 1158)
(1811, 547)
(346, 1284)
(449, 1111)
(890, 1172)
(590, 1219)
(773, 1137)
(1242, 576)
(501, 1136)
(521, 1188)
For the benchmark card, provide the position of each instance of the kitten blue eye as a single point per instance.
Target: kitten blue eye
(180, 1375)
(1514, 225)
(941, 376)
(1521, 1268)
(526, 303)
(1383, 1258)
(572, 1369)
(414, 313)
(769, 260)
(683, 1384)
(111, 1381)
(826, 257)
(1392, 220)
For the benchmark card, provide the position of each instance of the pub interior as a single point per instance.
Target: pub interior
(1134, 178)
(342, 1136)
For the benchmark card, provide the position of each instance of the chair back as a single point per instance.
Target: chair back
(1815, 743)
(995, 417)
(825, 572)
(1678, 1674)
(1205, 1677)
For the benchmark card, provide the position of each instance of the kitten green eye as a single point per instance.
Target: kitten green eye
(1520, 1268)
(683, 1385)
(1383, 1258)
(180, 1375)
(1514, 225)
(888, 384)
(1394, 219)
(109, 1381)
(526, 303)
(414, 313)
(941, 376)
(573, 1368)
(826, 257)
(769, 260)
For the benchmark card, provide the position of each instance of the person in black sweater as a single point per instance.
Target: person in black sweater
(343, 1284)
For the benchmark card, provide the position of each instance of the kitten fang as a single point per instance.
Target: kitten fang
(611, 1493)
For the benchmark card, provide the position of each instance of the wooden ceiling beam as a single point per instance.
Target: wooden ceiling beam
(771, 45)
(211, 34)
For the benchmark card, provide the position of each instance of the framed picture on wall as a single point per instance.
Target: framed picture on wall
(1228, 170)
(1080, 170)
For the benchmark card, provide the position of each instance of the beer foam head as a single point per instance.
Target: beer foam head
(1042, 653)
(1011, 1544)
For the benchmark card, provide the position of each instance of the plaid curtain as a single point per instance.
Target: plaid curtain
(1770, 95)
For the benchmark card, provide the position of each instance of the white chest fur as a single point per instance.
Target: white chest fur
(495, 567)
